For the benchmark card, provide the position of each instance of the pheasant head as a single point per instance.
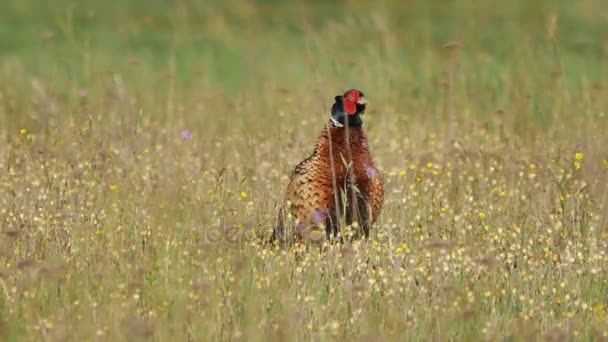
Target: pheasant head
(349, 106)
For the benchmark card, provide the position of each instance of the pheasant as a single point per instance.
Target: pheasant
(338, 186)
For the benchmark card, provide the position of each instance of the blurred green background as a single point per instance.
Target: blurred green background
(238, 43)
(524, 57)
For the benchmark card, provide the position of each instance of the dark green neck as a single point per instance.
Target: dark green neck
(339, 116)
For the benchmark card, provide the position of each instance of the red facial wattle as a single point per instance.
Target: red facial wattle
(350, 103)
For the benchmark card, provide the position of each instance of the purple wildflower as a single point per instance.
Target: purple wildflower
(186, 134)
(319, 216)
(371, 172)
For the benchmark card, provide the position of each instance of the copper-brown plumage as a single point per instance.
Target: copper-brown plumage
(339, 171)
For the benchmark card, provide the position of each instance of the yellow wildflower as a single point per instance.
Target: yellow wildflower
(401, 249)
(579, 156)
(243, 195)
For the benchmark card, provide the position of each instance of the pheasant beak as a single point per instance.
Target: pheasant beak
(362, 101)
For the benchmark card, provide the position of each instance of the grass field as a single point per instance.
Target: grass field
(146, 146)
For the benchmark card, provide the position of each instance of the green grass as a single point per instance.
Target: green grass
(488, 121)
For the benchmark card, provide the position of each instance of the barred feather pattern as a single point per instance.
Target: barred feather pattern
(313, 199)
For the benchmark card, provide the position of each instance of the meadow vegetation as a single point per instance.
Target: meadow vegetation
(146, 146)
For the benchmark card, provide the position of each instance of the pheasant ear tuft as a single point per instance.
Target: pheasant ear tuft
(338, 98)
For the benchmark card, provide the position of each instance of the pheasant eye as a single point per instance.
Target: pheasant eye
(350, 98)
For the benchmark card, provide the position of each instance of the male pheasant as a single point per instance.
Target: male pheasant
(338, 186)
